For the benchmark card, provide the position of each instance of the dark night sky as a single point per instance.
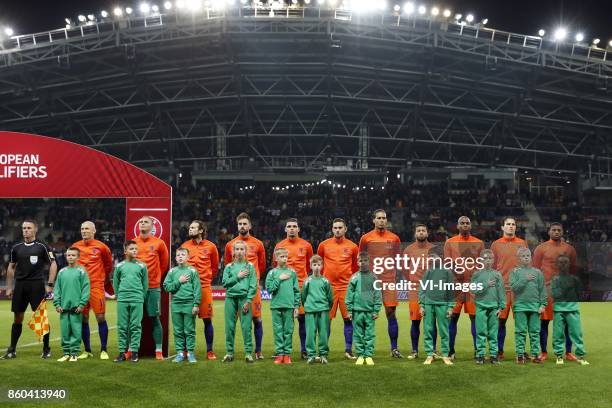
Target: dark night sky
(521, 16)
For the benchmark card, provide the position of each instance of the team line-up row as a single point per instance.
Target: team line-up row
(353, 293)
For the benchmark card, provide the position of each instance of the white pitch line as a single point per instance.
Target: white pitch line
(38, 343)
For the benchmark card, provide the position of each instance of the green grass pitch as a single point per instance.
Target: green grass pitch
(390, 382)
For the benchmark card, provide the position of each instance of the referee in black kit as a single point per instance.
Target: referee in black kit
(29, 261)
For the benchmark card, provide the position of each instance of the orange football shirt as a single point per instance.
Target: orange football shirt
(97, 260)
(339, 261)
(300, 252)
(256, 253)
(153, 252)
(204, 257)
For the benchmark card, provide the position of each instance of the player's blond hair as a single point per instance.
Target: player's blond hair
(280, 250)
(522, 250)
(74, 249)
(243, 216)
(90, 223)
(236, 243)
(316, 259)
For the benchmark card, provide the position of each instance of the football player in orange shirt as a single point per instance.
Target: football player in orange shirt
(300, 252)
(504, 253)
(153, 252)
(545, 259)
(382, 243)
(256, 254)
(204, 257)
(465, 246)
(97, 260)
(339, 263)
(419, 249)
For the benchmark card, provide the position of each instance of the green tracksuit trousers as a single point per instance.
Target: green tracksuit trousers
(233, 310)
(282, 326)
(183, 323)
(487, 325)
(70, 324)
(527, 323)
(317, 323)
(572, 320)
(364, 333)
(129, 325)
(433, 314)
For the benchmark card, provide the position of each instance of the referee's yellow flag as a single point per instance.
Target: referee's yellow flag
(40, 320)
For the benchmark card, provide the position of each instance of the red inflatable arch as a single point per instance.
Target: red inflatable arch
(33, 166)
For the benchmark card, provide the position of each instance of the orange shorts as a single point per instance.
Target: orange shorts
(465, 301)
(389, 298)
(548, 310)
(206, 305)
(97, 302)
(415, 310)
(339, 297)
(506, 312)
(468, 306)
(256, 303)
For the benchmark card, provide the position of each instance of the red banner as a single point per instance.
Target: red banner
(33, 166)
(218, 294)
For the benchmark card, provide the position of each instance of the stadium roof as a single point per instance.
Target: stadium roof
(309, 88)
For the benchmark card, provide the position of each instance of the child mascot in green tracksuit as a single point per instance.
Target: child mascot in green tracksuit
(282, 284)
(436, 304)
(317, 298)
(240, 283)
(131, 282)
(363, 303)
(566, 294)
(184, 283)
(70, 296)
(527, 284)
(490, 300)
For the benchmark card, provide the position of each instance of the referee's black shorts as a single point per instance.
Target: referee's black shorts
(27, 292)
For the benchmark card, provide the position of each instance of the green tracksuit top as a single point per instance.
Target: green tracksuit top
(71, 288)
(285, 293)
(189, 292)
(566, 293)
(489, 296)
(529, 296)
(317, 295)
(131, 281)
(236, 287)
(361, 295)
(431, 290)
